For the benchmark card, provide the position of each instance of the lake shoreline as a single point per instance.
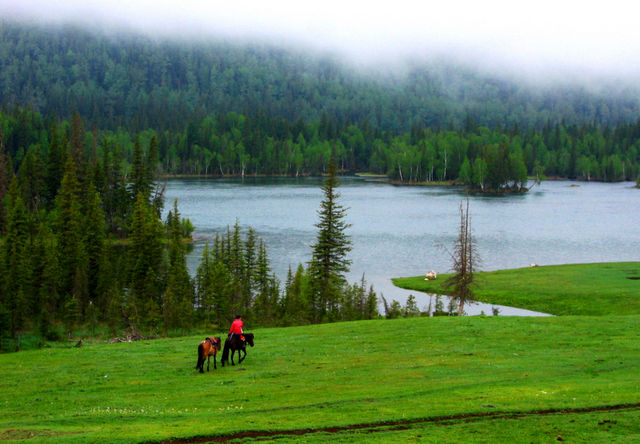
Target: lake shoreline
(555, 289)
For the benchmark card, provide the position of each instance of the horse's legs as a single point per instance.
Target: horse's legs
(241, 355)
(232, 353)
(208, 358)
(214, 362)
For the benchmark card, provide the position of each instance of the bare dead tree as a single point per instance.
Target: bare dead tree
(465, 261)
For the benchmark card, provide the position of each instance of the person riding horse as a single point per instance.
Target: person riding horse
(236, 341)
(236, 327)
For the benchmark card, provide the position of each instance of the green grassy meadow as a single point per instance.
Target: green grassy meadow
(577, 289)
(447, 379)
(338, 376)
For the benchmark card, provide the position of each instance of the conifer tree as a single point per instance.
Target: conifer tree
(151, 169)
(465, 261)
(114, 313)
(221, 289)
(71, 314)
(371, 305)
(55, 164)
(179, 295)
(69, 232)
(329, 260)
(117, 201)
(411, 307)
(31, 181)
(235, 263)
(295, 306)
(139, 177)
(95, 235)
(266, 300)
(46, 286)
(250, 265)
(203, 302)
(16, 260)
(145, 263)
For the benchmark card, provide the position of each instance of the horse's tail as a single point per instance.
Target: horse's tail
(200, 363)
(225, 352)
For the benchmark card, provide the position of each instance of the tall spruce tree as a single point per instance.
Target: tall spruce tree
(16, 259)
(46, 284)
(71, 243)
(179, 295)
(329, 260)
(145, 265)
(95, 234)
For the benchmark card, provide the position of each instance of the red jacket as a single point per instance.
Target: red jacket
(236, 327)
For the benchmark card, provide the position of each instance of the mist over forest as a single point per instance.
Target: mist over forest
(134, 81)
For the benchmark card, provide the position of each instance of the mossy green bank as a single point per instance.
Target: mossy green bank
(576, 289)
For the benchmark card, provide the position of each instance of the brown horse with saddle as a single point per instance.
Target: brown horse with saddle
(207, 348)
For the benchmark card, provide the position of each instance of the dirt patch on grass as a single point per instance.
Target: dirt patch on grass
(13, 434)
(395, 425)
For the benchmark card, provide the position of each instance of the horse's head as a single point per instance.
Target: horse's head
(249, 338)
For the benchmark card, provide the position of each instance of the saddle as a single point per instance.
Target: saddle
(212, 340)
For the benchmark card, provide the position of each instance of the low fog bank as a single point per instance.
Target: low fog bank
(548, 43)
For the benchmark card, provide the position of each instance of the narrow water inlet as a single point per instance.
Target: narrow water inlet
(426, 303)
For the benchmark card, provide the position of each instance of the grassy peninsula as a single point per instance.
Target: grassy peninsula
(576, 289)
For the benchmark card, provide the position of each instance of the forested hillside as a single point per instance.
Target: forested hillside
(135, 82)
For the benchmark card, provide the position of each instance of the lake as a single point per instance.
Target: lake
(408, 230)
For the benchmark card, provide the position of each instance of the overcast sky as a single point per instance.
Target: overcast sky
(578, 36)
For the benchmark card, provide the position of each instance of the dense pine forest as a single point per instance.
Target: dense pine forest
(83, 245)
(90, 122)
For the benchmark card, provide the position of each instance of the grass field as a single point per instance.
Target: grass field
(492, 378)
(579, 289)
(447, 379)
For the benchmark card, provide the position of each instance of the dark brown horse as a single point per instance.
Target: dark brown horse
(237, 343)
(207, 348)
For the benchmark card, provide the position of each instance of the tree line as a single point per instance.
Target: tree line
(234, 144)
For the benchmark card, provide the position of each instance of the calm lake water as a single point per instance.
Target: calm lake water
(405, 231)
